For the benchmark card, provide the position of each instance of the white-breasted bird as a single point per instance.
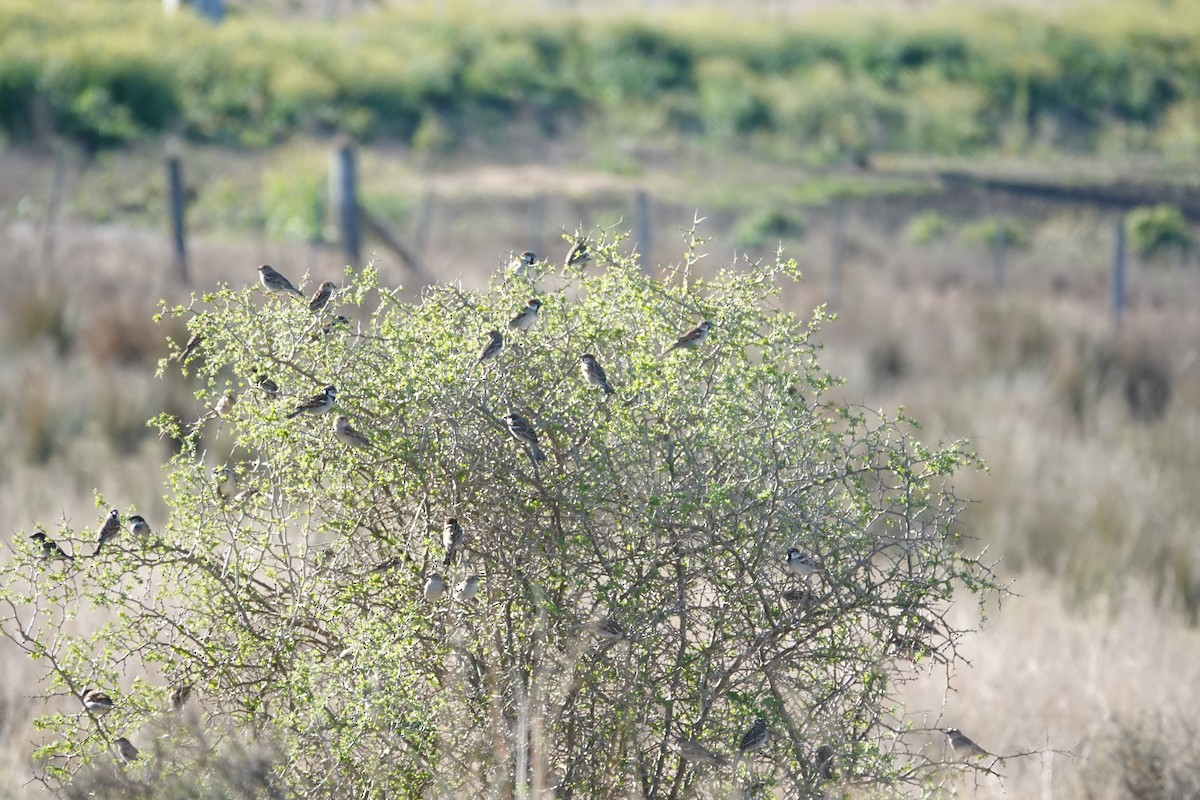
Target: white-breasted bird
(605, 628)
(347, 434)
(491, 348)
(321, 297)
(593, 373)
(695, 752)
(690, 340)
(524, 433)
(799, 563)
(467, 590)
(138, 526)
(318, 404)
(452, 540)
(224, 405)
(755, 737)
(109, 530)
(524, 319)
(578, 254)
(435, 587)
(273, 281)
(50, 548)
(964, 747)
(96, 701)
(522, 263)
(225, 482)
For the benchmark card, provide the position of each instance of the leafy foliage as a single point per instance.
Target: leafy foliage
(1157, 230)
(633, 584)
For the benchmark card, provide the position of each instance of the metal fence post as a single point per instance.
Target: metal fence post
(1118, 285)
(176, 209)
(343, 194)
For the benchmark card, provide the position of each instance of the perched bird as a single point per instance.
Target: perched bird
(347, 434)
(755, 737)
(802, 599)
(272, 281)
(578, 254)
(337, 323)
(224, 405)
(691, 750)
(109, 530)
(225, 482)
(605, 628)
(825, 762)
(524, 433)
(800, 563)
(964, 747)
(491, 348)
(690, 340)
(96, 702)
(524, 320)
(435, 587)
(467, 590)
(523, 262)
(193, 343)
(452, 540)
(138, 526)
(50, 548)
(125, 749)
(180, 695)
(269, 387)
(317, 404)
(593, 373)
(321, 297)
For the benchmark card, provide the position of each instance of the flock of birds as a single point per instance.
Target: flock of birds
(797, 563)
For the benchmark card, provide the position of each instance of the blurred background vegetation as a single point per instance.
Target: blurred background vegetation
(841, 131)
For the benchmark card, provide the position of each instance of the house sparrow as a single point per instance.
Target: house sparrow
(180, 695)
(524, 433)
(317, 404)
(337, 323)
(691, 750)
(467, 590)
(690, 340)
(755, 737)
(272, 281)
(320, 298)
(225, 482)
(593, 373)
(491, 348)
(224, 405)
(578, 254)
(347, 434)
(109, 530)
(138, 526)
(96, 702)
(825, 762)
(524, 320)
(125, 749)
(964, 748)
(435, 587)
(452, 539)
(50, 548)
(193, 343)
(523, 262)
(800, 563)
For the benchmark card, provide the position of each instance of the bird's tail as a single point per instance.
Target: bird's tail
(536, 454)
(295, 413)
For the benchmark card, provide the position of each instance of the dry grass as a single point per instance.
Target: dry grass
(1090, 500)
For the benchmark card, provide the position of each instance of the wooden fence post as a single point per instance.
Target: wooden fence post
(839, 254)
(1118, 285)
(343, 197)
(998, 256)
(177, 208)
(641, 218)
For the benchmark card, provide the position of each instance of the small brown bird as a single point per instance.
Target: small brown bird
(193, 343)
(524, 433)
(578, 254)
(524, 320)
(605, 628)
(125, 749)
(224, 405)
(523, 262)
(50, 548)
(97, 702)
(690, 340)
(691, 750)
(491, 348)
(452, 540)
(274, 282)
(109, 530)
(225, 482)
(755, 738)
(180, 695)
(269, 387)
(321, 297)
(964, 748)
(347, 434)
(800, 564)
(467, 590)
(593, 373)
(317, 404)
